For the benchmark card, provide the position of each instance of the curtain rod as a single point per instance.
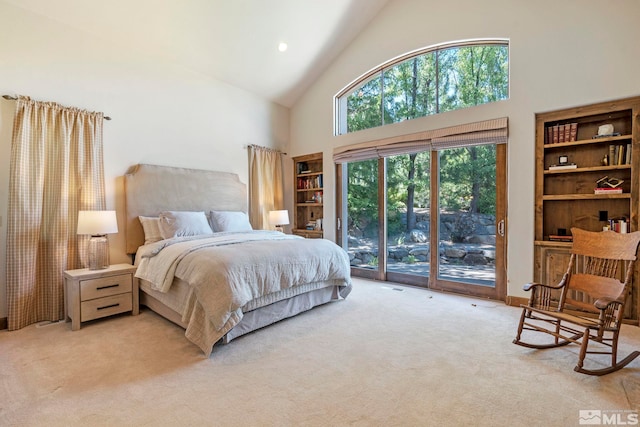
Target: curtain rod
(13, 98)
(265, 148)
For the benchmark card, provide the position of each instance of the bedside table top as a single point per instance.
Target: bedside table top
(85, 273)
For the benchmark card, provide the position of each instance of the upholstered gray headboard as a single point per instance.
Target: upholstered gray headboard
(151, 189)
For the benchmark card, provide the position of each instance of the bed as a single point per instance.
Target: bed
(219, 284)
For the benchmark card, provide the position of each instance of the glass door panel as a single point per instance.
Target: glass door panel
(467, 200)
(362, 218)
(408, 216)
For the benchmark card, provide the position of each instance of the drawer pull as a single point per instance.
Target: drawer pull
(108, 306)
(107, 287)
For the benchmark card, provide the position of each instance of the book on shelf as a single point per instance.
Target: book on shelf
(607, 190)
(567, 132)
(619, 225)
(619, 154)
(561, 133)
(563, 167)
(560, 238)
(573, 133)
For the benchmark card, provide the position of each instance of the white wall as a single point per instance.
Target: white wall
(162, 114)
(563, 53)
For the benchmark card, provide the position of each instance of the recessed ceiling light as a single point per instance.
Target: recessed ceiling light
(282, 46)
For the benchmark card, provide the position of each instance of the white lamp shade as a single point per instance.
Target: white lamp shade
(97, 223)
(279, 217)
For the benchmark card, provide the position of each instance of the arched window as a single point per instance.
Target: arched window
(427, 81)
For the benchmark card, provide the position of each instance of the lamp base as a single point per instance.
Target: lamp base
(98, 253)
(280, 228)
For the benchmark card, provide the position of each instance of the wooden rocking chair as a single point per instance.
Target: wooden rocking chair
(587, 305)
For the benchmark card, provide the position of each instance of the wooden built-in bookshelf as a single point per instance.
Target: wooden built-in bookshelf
(308, 184)
(566, 198)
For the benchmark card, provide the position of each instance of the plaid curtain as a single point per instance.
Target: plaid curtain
(56, 170)
(265, 185)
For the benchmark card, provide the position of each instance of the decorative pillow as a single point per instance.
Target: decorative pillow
(183, 223)
(230, 221)
(151, 227)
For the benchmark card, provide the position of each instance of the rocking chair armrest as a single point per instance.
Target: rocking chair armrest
(604, 302)
(533, 285)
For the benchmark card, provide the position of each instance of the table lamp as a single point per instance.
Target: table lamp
(97, 224)
(278, 219)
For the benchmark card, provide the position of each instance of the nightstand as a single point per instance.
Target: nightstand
(92, 294)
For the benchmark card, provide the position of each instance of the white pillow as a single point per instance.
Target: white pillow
(230, 221)
(183, 223)
(151, 227)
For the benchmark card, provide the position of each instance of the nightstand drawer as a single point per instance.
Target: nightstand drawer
(105, 286)
(107, 306)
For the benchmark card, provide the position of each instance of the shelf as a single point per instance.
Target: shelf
(586, 196)
(553, 243)
(310, 189)
(308, 174)
(315, 204)
(587, 141)
(588, 169)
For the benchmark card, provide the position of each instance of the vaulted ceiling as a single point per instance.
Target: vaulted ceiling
(235, 41)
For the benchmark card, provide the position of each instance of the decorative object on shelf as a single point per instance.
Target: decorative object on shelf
(563, 167)
(97, 224)
(608, 185)
(563, 160)
(279, 219)
(605, 130)
(609, 182)
(303, 167)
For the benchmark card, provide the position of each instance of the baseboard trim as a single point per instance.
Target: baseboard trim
(516, 301)
(3, 323)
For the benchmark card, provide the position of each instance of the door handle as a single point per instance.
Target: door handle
(501, 228)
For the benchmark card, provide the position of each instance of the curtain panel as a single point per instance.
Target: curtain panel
(56, 170)
(265, 185)
(494, 131)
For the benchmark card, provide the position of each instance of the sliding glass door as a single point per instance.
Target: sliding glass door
(361, 219)
(438, 215)
(408, 209)
(470, 217)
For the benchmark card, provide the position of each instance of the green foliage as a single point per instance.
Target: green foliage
(410, 259)
(463, 77)
(363, 106)
(435, 82)
(362, 199)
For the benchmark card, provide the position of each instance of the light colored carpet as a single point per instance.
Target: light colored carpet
(380, 357)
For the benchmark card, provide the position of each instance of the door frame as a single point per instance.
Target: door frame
(499, 291)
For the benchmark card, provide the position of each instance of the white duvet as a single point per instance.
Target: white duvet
(227, 270)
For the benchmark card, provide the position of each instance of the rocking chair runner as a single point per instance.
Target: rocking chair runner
(591, 285)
